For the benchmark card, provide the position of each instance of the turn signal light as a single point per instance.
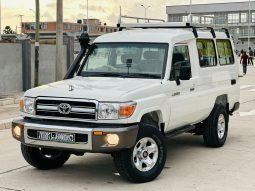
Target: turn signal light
(21, 105)
(98, 133)
(126, 110)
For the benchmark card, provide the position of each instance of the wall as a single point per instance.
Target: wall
(17, 64)
(10, 67)
(47, 62)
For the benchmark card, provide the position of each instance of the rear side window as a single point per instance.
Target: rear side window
(225, 52)
(206, 52)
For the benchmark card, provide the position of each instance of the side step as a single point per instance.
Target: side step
(180, 130)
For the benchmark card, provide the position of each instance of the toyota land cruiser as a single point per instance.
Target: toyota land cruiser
(129, 90)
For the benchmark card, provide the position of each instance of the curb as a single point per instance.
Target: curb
(7, 124)
(9, 101)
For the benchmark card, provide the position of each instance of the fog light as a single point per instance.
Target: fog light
(112, 139)
(17, 131)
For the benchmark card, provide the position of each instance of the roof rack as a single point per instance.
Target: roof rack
(172, 25)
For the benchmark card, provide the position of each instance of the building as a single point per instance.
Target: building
(95, 27)
(234, 16)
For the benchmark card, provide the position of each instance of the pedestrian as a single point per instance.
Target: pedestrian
(241, 53)
(251, 55)
(244, 61)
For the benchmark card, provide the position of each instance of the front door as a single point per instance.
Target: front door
(183, 88)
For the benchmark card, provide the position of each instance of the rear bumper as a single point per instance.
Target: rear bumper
(93, 143)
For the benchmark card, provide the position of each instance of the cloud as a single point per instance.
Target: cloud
(105, 10)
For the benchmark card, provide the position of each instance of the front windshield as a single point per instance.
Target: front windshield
(141, 60)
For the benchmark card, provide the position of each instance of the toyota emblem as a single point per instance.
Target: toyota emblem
(64, 108)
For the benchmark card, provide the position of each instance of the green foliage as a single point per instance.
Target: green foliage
(8, 30)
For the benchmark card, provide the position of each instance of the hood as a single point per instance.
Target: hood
(96, 88)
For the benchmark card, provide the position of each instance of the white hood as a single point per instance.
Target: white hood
(96, 88)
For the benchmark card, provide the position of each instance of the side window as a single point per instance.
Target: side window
(225, 52)
(181, 67)
(206, 52)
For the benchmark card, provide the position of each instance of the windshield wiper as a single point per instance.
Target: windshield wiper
(101, 74)
(152, 76)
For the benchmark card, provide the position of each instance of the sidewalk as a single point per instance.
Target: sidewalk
(9, 109)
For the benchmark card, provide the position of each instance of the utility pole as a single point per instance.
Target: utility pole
(59, 73)
(88, 16)
(21, 16)
(37, 43)
(249, 24)
(0, 20)
(190, 11)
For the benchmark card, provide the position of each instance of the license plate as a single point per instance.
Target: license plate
(56, 136)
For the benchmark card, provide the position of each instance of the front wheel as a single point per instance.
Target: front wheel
(145, 161)
(44, 159)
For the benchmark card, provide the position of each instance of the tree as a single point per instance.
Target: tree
(8, 30)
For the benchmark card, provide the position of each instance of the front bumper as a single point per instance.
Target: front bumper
(95, 142)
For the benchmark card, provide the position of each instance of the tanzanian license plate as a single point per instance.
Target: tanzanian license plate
(56, 136)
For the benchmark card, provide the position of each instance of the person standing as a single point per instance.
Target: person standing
(251, 55)
(244, 61)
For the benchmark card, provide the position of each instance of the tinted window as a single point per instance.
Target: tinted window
(206, 52)
(225, 52)
(180, 63)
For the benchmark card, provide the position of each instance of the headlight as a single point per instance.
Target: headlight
(116, 110)
(27, 105)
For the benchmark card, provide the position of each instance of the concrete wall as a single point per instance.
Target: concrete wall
(47, 62)
(17, 61)
(10, 67)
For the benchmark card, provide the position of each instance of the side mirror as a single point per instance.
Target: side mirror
(185, 73)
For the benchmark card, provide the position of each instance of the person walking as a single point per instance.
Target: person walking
(251, 55)
(241, 53)
(244, 61)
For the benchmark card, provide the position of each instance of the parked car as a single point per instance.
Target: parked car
(127, 92)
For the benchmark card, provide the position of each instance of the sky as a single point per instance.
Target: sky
(105, 10)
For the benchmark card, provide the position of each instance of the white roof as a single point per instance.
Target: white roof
(155, 35)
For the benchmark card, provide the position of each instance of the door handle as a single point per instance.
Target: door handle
(176, 93)
(233, 82)
(192, 89)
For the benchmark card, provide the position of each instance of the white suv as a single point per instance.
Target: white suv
(129, 90)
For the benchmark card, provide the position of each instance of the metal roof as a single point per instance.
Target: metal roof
(211, 8)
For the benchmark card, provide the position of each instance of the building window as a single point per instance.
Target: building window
(208, 20)
(64, 26)
(243, 17)
(44, 26)
(195, 19)
(233, 18)
(253, 17)
(69, 27)
(184, 18)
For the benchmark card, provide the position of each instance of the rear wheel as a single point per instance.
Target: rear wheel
(216, 127)
(146, 159)
(44, 159)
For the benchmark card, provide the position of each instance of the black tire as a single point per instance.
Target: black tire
(124, 161)
(211, 136)
(44, 159)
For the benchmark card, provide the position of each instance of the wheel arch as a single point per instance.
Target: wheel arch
(222, 100)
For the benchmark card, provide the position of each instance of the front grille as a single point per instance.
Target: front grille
(84, 110)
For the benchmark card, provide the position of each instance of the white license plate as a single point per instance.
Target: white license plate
(56, 136)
